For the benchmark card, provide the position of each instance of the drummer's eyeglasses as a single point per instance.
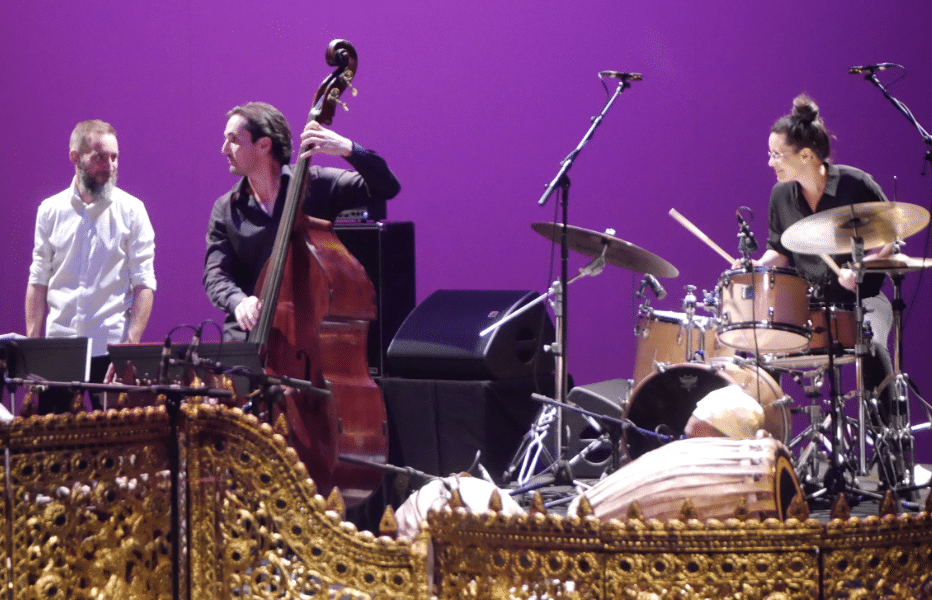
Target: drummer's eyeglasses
(779, 155)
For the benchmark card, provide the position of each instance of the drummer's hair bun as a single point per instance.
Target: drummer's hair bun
(805, 109)
(804, 128)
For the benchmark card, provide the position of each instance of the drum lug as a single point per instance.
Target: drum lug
(770, 315)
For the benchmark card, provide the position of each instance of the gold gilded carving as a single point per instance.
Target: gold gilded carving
(247, 487)
(798, 509)
(537, 505)
(888, 505)
(840, 508)
(335, 502)
(89, 516)
(388, 525)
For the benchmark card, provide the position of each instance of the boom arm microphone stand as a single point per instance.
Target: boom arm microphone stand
(899, 392)
(871, 76)
(562, 182)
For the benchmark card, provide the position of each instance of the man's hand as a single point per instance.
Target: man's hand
(247, 312)
(316, 139)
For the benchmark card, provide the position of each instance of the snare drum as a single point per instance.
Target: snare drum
(717, 476)
(661, 338)
(764, 310)
(665, 400)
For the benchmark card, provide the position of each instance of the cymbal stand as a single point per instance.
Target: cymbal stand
(817, 445)
(839, 477)
(550, 418)
(894, 450)
(689, 308)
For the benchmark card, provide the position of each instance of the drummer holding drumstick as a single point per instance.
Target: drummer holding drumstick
(807, 183)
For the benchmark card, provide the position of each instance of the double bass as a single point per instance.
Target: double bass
(317, 304)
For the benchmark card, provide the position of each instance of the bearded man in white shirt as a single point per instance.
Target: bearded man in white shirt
(92, 272)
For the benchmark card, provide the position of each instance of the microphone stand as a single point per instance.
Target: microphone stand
(532, 447)
(926, 137)
(561, 181)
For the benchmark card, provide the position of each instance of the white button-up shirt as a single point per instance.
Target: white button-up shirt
(91, 256)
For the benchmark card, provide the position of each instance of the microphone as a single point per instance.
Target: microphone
(620, 75)
(163, 366)
(191, 354)
(655, 286)
(747, 233)
(871, 68)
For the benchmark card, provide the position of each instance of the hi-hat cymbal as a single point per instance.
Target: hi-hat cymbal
(897, 264)
(877, 223)
(619, 252)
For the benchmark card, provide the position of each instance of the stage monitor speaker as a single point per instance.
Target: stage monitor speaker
(437, 425)
(590, 454)
(440, 338)
(386, 251)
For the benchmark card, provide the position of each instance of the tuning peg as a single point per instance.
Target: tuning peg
(335, 98)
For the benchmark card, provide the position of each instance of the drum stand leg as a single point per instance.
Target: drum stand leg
(815, 453)
(533, 447)
(817, 448)
(894, 448)
(840, 475)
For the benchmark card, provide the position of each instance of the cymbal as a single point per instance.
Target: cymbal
(619, 253)
(877, 223)
(897, 264)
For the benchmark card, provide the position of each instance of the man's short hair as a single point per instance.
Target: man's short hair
(83, 129)
(264, 120)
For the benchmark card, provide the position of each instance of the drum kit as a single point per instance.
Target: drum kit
(761, 325)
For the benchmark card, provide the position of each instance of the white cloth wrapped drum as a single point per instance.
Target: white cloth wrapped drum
(714, 474)
(435, 494)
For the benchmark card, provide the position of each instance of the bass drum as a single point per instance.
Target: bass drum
(664, 401)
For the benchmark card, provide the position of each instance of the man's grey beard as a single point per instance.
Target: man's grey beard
(98, 191)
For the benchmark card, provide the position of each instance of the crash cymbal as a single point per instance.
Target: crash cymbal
(619, 253)
(898, 264)
(877, 223)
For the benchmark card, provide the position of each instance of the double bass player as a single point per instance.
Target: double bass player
(244, 221)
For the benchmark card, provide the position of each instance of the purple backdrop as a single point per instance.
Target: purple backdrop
(474, 105)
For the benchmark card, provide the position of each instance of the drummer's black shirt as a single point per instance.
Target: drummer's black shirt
(845, 185)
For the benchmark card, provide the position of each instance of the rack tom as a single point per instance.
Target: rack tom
(663, 337)
(764, 310)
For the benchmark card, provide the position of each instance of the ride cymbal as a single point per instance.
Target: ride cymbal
(877, 223)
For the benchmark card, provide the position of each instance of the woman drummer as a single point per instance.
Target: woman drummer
(807, 183)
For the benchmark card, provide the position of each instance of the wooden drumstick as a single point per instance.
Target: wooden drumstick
(831, 263)
(685, 223)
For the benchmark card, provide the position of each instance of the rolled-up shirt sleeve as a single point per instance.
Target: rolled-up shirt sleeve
(140, 252)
